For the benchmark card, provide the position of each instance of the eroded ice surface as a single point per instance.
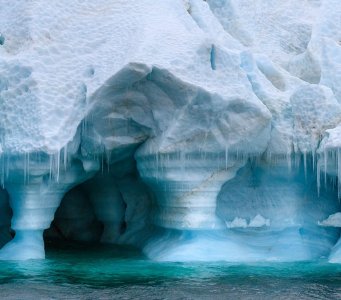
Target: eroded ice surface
(195, 130)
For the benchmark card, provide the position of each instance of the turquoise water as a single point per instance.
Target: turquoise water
(122, 273)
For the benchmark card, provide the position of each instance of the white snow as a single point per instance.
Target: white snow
(256, 222)
(333, 220)
(259, 221)
(237, 223)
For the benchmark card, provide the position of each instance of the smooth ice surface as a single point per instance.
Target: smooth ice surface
(27, 244)
(204, 130)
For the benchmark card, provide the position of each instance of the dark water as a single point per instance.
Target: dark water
(120, 273)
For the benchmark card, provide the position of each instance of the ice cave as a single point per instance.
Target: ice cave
(192, 130)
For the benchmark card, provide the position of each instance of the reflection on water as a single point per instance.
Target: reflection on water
(123, 273)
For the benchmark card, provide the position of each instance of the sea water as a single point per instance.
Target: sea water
(103, 272)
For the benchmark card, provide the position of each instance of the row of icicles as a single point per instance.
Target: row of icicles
(328, 161)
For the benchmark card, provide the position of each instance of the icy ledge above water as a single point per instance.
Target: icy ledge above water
(194, 130)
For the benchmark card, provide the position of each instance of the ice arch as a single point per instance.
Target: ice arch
(187, 141)
(288, 198)
(149, 106)
(175, 145)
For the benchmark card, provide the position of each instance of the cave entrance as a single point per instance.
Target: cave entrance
(6, 233)
(113, 207)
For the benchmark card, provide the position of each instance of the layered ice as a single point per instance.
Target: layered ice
(194, 130)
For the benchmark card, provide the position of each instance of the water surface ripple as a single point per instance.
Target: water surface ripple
(123, 273)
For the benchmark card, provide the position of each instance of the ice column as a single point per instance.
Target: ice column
(34, 203)
(186, 187)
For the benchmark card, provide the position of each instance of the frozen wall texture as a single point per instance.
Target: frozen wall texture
(194, 130)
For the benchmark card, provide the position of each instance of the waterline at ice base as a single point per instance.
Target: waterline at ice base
(191, 130)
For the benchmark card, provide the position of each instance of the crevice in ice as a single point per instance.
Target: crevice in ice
(187, 6)
(213, 58)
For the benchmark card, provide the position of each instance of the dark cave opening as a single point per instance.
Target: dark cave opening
(6, 232)
(113, 207)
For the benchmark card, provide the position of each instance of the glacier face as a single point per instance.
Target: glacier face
(194, 130)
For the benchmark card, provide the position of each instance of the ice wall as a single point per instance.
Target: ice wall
(205, 130)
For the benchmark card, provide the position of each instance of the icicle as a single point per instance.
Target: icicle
(28, 167)
(65, 157)
(297, 161)
(288, 157)
(102, 163)
(25, 171)
(305, 164)
(161, 163)
(58, 165)
(50, 174)
(157, 164)
(226, 157)
(339, 172)
(182, 161)
(7, 166)
(314, 158)
(325, 166)
(318, 178)
(108, 159)
(268, 157)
